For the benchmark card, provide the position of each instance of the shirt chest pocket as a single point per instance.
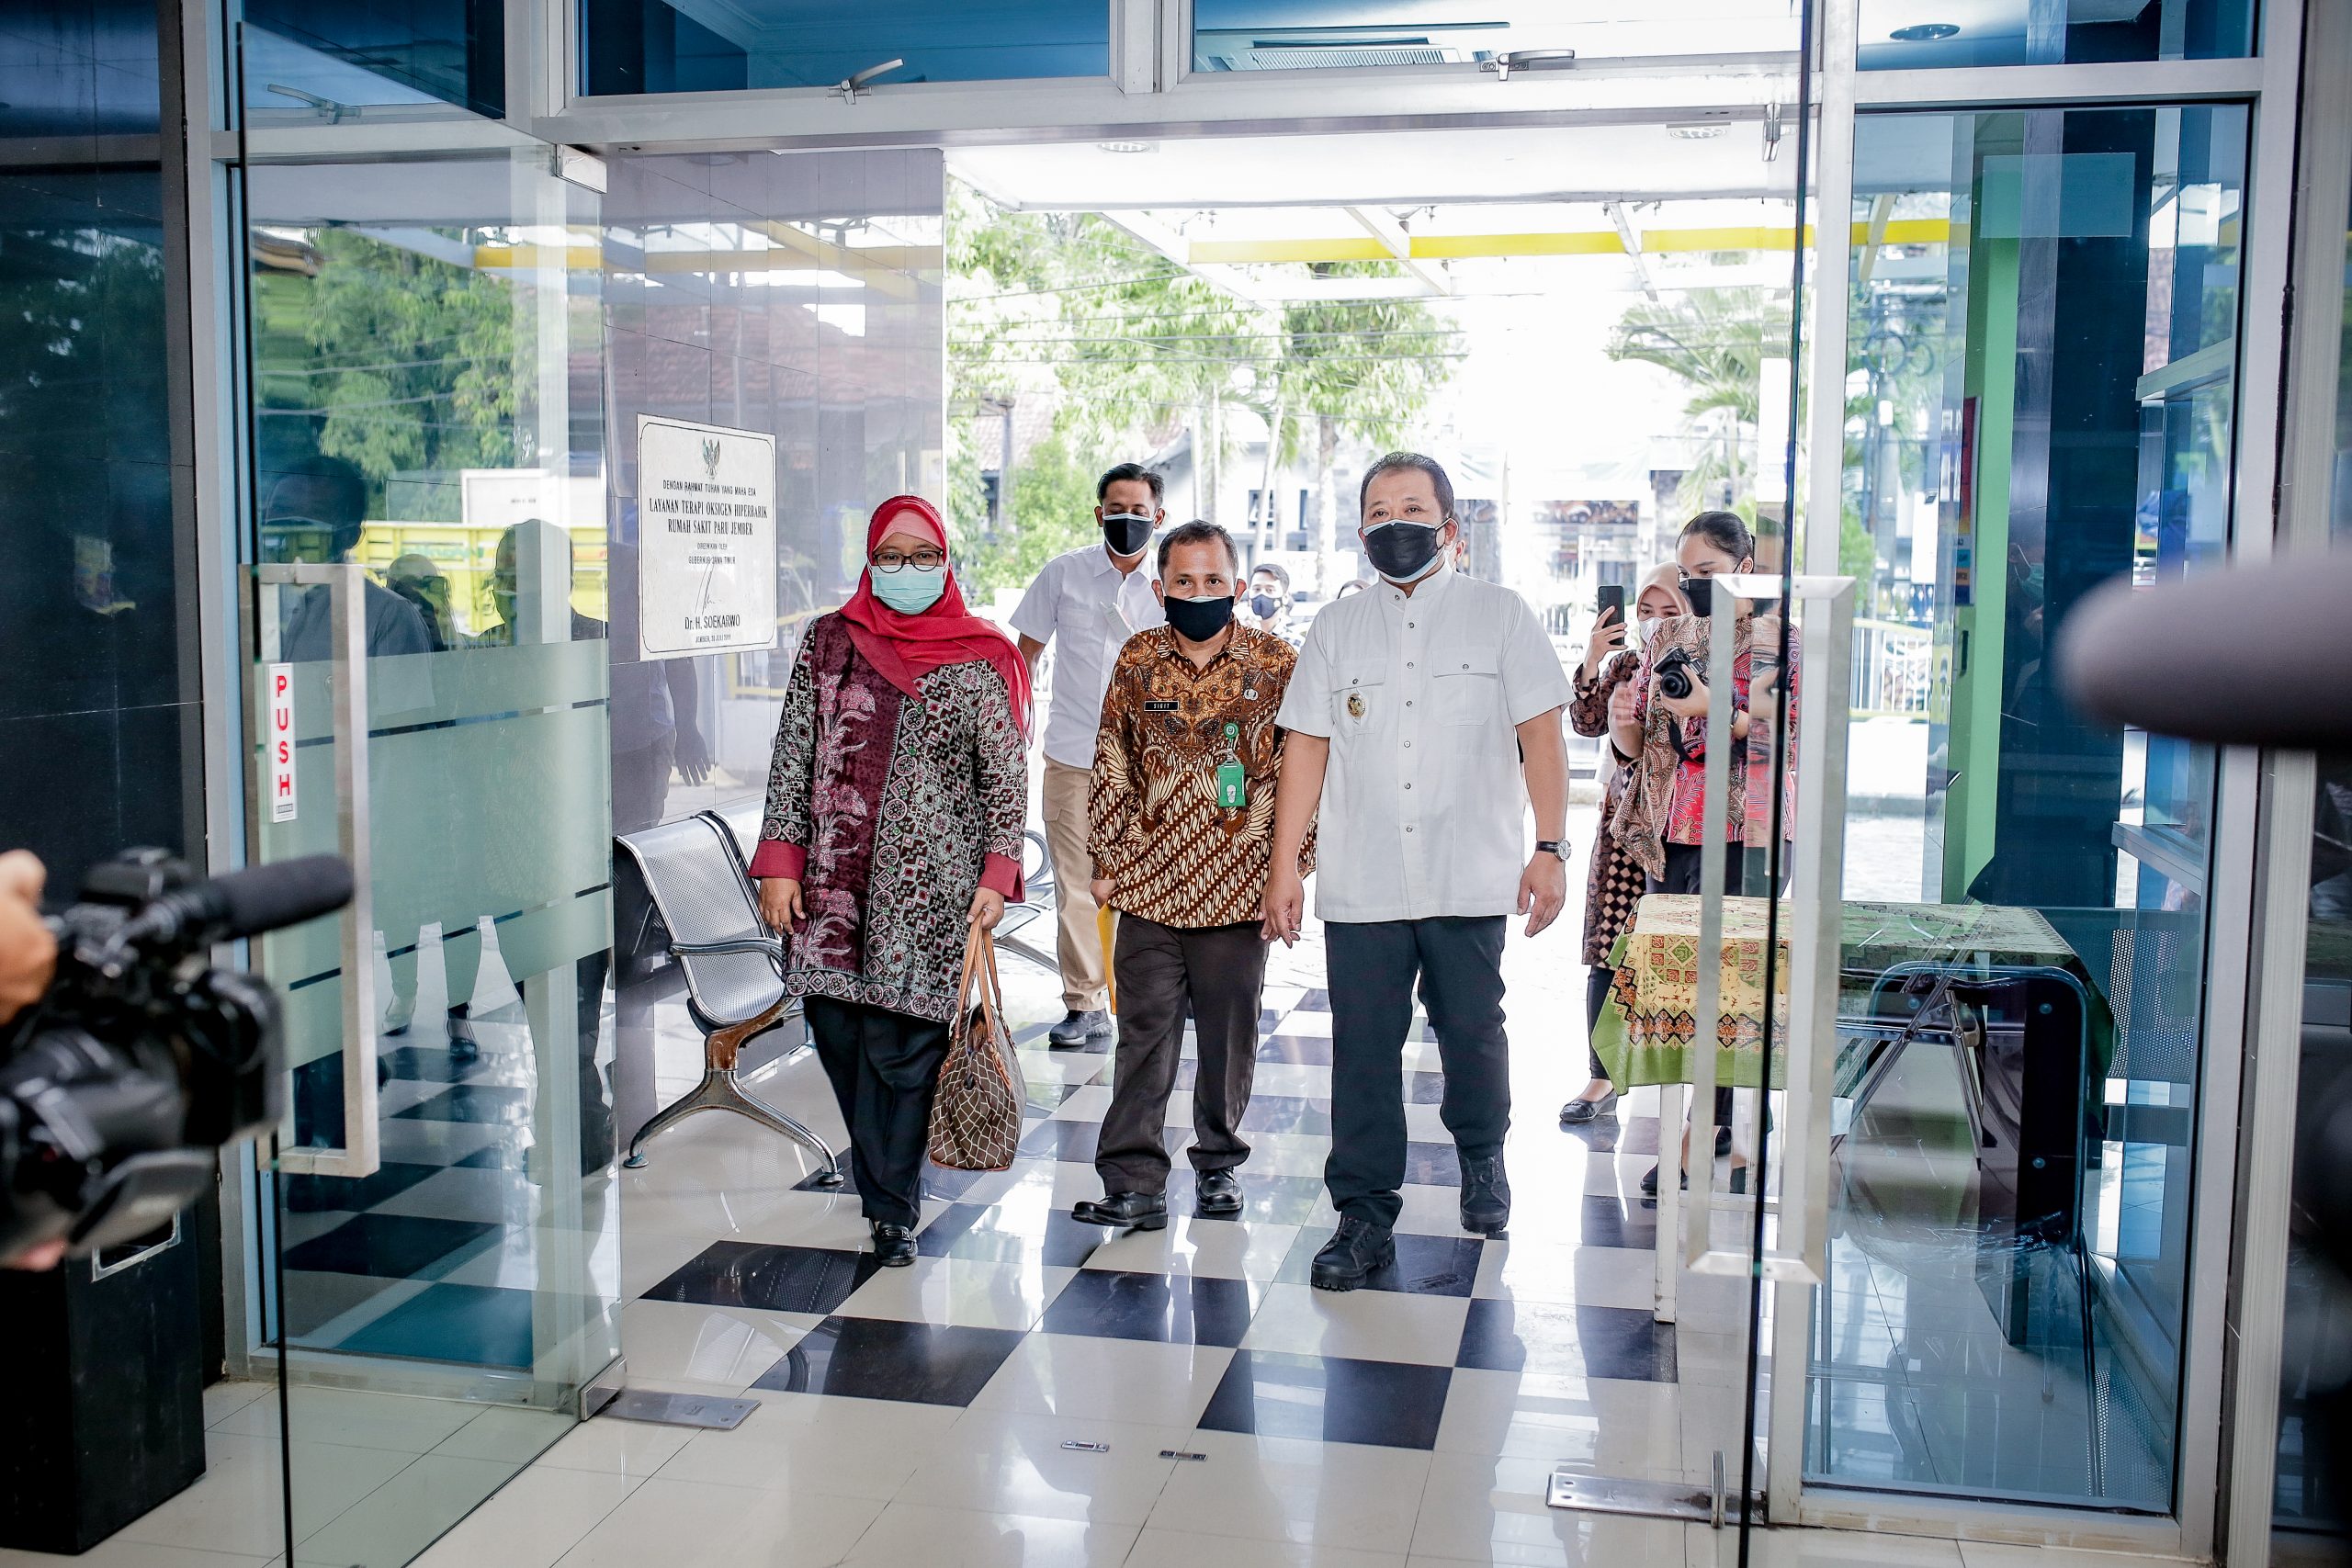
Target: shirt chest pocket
(1357, 696)
(1466, 685)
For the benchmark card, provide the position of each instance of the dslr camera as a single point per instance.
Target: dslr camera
(1677, 673)
(142, 1059)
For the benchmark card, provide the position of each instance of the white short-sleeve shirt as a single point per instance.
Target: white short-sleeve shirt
(1083, 599)
(1424, 808)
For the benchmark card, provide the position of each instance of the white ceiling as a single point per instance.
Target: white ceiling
(1636, 162)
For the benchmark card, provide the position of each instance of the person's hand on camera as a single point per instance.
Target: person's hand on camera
(1608, 637)
(28, 951)
(1693, 707)
(34, 1260)
(781, 906)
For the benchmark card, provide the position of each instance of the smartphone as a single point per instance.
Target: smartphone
(1700, 591)
(1613, 597)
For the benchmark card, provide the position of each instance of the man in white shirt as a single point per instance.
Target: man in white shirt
(1093, 599)
(1412, 707)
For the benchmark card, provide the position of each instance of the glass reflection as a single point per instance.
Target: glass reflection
(1900, 35)
(2041, 393)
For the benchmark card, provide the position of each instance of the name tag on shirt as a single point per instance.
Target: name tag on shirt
(1160, 704)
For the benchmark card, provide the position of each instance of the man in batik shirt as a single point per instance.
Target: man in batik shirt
(1181, 824)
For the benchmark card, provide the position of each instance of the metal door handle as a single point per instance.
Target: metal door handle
(1502, 65)
(1825, 668)
(346, 586)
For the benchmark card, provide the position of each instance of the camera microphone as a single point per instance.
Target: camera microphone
(241, 904)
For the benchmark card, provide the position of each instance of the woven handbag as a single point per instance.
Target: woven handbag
(976, 1110)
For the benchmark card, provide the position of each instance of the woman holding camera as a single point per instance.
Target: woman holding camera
(1661, 821)
(893, 814)
(1604, 692)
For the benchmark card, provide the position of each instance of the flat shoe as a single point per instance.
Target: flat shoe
(1577, 1113)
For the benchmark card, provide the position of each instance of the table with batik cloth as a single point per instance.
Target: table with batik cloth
(1647, 1027)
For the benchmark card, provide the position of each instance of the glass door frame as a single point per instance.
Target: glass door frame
(2312, 367)
(1147, 90)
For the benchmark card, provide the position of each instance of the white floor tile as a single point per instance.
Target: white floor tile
(236, 1508)
(1528, 1270)
(1107, 1380)
(1368, 1326)
(1224, 1250)
(120, 1553)
(512, 1434)
(606, 1446)
(1185, 1549)
(964, 1292)
(998, 1461)
(708, 1348)
(1836, 1548)
(223, 1400)
(821, 1443)
(908, 1534)
(389, 1526)
(532, 1521)
(1280, 1489)
(1479, 1509)
(693, 1524)
(357, 1417)
(1610, 1426)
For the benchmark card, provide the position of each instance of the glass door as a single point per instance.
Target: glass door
(426, 641)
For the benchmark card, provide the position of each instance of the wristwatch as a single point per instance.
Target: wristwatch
(1552, 847)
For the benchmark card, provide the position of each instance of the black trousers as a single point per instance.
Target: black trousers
(1372, 969)
(1219, 972)
(1685, 873)
(883, 1067)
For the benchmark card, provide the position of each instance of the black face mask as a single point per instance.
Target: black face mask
(1198, 620)
(1127, 533)
(1400, 551)
(1263, 605)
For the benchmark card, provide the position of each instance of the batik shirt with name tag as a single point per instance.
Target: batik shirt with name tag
(1183, 808)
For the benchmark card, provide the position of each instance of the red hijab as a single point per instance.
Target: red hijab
(903, 648)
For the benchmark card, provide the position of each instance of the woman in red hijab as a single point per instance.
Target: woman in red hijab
(894, 809)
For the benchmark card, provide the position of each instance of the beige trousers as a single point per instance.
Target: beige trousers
(1076, 941)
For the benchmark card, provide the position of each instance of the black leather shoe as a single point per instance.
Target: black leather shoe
(1577, 1113)
(1360, 1250)
(463, 1046)
(1649, 1182)
(1219, 1193)
(1077, 1027)
(1722, 1142)
(1485, 1196)
(1130, 1211)
(894, 1246)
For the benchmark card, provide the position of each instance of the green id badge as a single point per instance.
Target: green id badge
(1230, 792)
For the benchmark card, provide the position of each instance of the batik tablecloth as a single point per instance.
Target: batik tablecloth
(1647, 1026)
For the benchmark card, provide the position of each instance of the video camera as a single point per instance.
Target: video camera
(142, 1059)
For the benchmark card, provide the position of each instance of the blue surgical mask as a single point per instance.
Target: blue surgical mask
(911, 590)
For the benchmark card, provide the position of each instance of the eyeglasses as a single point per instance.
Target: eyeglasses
(922, 560)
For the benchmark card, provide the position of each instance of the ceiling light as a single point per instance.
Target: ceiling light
(1703, 132)
(1924, 32)
(1128, 146)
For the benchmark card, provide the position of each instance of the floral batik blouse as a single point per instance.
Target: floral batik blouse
(890, 810)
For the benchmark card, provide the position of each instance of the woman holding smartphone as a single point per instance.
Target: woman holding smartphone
(1615, 884)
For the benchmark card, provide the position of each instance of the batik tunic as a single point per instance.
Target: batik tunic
(891, 810)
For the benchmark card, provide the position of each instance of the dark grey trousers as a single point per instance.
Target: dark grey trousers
(1372, 967)
(1219, 972)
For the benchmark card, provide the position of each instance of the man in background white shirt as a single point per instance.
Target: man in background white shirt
(1408, 717)
(1093, 599)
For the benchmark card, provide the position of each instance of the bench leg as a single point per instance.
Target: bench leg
(720, 1090)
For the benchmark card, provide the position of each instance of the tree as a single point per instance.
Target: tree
(1128, 349)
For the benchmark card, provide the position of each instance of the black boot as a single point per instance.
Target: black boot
(1485, 1196)
(1131, 1211)
(1358, 1251)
